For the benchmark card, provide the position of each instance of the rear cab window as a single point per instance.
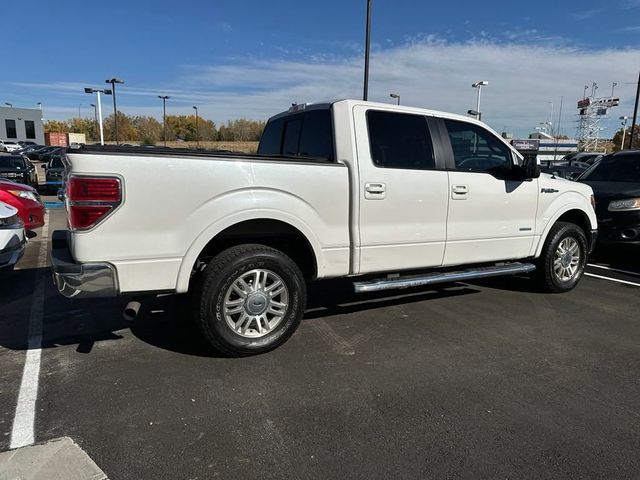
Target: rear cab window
(308, 134)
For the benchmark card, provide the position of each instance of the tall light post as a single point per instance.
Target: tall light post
(396, 96)
(113, 82)
(367, 50)
(10, 105)
(98, 91)
(635, 114)
(95, 116)
(551, 116)
(164, 99)
(197, 131)
(624, 129)
(479, 86)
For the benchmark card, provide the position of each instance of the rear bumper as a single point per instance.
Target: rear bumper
(80, 280)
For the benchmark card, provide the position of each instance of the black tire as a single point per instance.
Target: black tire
(216, 282)
(545, 275)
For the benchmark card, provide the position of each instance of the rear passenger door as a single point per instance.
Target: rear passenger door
(403, 191)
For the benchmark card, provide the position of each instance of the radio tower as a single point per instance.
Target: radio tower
(592, 110)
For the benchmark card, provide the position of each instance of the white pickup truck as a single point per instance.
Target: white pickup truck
(390, 196)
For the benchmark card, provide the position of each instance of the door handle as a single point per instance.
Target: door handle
(459, 192)
(375, 191)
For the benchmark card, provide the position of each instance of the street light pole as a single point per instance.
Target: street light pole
(95, 116)
(97, 91)
(113, 82)
(367, 49)
(100, 118)
(635, 114)
(396, 96)
(624, 130)
(479, 86)
(10, 105)
(197, 131)
(164, 115)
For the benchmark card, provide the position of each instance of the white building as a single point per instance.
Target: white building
(21, 124)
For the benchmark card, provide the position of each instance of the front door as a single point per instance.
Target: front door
(491, 217)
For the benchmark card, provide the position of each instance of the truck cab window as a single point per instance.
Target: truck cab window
(309, 134)
(291, 137)
(271, 139)
(400, 140)
(477, 150)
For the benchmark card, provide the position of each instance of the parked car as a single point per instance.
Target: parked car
(27, 143)
(54, 172)
(10, 146)
(46, 155)
(585, 157)
(368, 191)
(570, 170)
(12, 237)
(615, 180)
(26, 200)
(18, 168)
(34, 152)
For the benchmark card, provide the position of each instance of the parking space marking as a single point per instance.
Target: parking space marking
(627, 272)
(612, 279)
(23, 433)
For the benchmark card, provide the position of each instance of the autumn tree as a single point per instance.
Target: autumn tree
(55, 126)
(617, 138)
(148, 128)
(126, 130)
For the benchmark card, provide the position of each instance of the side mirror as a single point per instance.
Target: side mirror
(531, 168)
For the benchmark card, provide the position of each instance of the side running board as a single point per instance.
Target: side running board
(409, 281)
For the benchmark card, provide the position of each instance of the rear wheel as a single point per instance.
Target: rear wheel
(250, 299)
(563, 258)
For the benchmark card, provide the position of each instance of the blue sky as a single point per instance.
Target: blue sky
(253, 58)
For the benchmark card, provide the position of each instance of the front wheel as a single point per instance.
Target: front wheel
(563, 258)
(249, 300)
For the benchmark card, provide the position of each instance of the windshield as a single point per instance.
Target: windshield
(11, 162)
(615, 169)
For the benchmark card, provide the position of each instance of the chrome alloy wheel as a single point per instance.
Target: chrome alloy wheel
(255, 303)
(566, 261)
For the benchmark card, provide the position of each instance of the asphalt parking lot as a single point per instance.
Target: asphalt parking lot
(482, 380)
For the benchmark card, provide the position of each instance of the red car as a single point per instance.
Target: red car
(26, 200)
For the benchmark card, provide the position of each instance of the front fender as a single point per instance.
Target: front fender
(559, 206)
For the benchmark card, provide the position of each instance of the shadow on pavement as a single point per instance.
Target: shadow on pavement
(165, 322)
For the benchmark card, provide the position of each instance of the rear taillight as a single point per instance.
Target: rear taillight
(91, 199)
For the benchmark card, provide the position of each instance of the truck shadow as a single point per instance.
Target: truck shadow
(163, 322)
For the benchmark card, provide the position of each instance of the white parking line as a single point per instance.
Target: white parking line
(22, 433)
(627, 272)
(612, 279)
